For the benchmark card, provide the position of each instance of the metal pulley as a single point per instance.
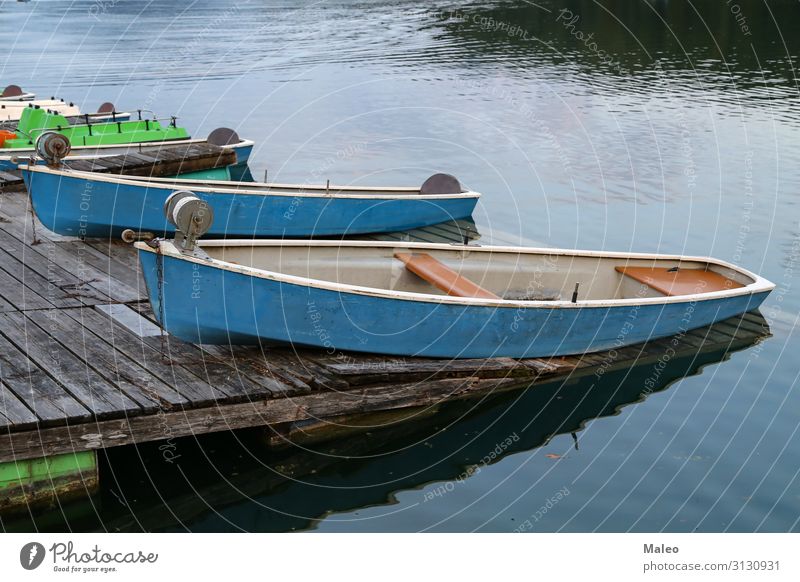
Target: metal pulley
(53, 147)
(191, 217)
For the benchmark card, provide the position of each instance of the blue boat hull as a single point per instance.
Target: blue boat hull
(208, 305)
(74, 206)
(243, 154)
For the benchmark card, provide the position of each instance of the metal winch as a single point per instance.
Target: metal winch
(191, 217)
(53, 147)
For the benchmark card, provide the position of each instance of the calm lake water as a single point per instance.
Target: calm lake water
(646, 126)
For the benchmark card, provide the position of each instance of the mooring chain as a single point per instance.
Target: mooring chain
(155, 243)
(35, 240)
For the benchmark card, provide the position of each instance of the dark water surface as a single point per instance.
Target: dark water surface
(621, 125)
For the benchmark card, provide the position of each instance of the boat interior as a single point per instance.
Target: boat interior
(232, 186)
(490, 274)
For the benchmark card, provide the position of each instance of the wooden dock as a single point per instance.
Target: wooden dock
(84, 367)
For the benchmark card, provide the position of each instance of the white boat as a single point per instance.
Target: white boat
(12, 110)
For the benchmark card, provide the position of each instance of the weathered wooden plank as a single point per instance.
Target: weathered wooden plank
(103, 263)
(220, 374)
(171, 154)
(21, 297)
(43, 395)
(545, 366)
(174, 160)
(80, 165)
(11, 178)
(20, 219)
(90, 277)
(196, 391)
(281, 361)
(104, 165)
(14, 415)
(134, 161)
(118, 250)
(587, 360)
(101, 397)
(50, 289)
(248, 362)
(135, 381)
(362, 369)
(11, 182)
(297, 364)
(119, 432)
(51, 270)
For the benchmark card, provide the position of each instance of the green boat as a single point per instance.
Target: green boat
(36, 121)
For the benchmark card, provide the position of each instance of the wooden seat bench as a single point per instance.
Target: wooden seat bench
(442, 277)
(679, 281)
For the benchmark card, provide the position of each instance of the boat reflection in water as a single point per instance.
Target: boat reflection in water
(231, 481)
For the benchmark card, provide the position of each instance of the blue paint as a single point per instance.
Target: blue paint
(243, 153)
(74, 206)
(208, 305)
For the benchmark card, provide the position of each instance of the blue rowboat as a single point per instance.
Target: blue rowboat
(14, 158)
(103, 205)
(436, 300)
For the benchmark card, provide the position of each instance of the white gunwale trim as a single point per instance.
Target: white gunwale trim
(23, 97)
(7, 153)
(43, 103)
(251, 188)
(167, 248)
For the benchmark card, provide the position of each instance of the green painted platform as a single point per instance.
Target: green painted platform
(46, 481)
